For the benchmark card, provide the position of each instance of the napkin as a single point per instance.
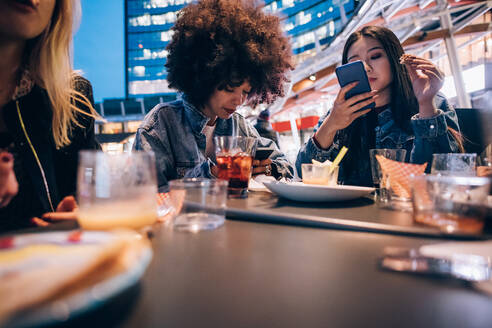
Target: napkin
(256, 183)
(325, 163)
(165, 207)
(399, 174)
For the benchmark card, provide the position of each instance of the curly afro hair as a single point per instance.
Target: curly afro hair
(223, 43)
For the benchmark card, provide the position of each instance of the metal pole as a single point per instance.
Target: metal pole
(454, 63)
(343, 14)
(295, 133)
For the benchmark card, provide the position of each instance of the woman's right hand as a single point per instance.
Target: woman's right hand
(8, 182)
(343, 113)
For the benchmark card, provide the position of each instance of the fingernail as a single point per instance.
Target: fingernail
(7, 157)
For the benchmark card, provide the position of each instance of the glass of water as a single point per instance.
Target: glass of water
(454, 164)
(199, 204)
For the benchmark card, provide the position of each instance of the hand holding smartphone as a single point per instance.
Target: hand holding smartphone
(263, 153)
(354, 100)
(354, 72)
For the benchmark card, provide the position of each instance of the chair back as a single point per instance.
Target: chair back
(471, 129)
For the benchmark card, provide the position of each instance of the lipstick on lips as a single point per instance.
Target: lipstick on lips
(229, 111)
(26, 4)
(32, 3)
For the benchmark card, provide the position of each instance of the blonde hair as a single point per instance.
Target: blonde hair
(49, 62)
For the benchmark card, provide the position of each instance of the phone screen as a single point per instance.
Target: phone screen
(352, 72)
(263, 153)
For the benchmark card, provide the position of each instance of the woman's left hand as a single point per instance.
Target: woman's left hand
(262, 167)
(66, 210)
(427, 80)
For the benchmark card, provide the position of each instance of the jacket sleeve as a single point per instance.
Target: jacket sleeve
(82, 138)
(281, 167)
(433, 135)
(146, 139)
(310, 150)
(201, 170)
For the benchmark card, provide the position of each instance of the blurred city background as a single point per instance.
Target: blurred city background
(130, 38)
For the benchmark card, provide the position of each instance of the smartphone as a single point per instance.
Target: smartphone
(263, 153)
(352, 72)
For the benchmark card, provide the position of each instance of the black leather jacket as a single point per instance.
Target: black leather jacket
(54, 176)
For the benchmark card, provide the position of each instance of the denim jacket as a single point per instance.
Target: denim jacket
(430, 136)
(174, 132)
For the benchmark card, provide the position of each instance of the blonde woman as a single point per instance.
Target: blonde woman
(46, 111)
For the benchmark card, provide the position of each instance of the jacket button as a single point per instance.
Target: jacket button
(22, 144)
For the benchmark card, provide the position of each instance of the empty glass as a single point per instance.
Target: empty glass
(116, 190)
(199, 204)
(454, 204)
(235, 162)
(393, 154)
(384, 193)
(454, 164)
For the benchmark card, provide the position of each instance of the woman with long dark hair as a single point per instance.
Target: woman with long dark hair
(409, 113)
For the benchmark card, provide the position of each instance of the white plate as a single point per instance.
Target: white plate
(84, 300)
(299, 191)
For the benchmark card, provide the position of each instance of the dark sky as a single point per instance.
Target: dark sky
(99, 47)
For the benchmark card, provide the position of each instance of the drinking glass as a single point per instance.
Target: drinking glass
(235, 162)
(454, 164)
(384, 193)
(319, 174)
(485, 167)
(393, 154)
(116, 190)
(454, 204)
(199, 204)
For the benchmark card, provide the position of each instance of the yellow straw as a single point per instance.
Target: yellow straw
(339, 158)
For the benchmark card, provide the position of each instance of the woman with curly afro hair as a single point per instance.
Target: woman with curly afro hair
(223, 54)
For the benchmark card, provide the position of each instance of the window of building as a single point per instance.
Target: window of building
(166, 35)
(147, 20)
(143, 20)
(139, 70)
(151, 4)
(149, 87)
(288, 3)
(303, 18)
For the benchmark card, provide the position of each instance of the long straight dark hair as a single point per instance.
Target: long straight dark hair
(359, 137)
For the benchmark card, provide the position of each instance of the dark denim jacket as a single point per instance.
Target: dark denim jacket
(173, 131)
(429, 136)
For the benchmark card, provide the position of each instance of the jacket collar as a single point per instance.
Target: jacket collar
(194, 116)
(198, 121)
(24, 85)
(385, 116)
